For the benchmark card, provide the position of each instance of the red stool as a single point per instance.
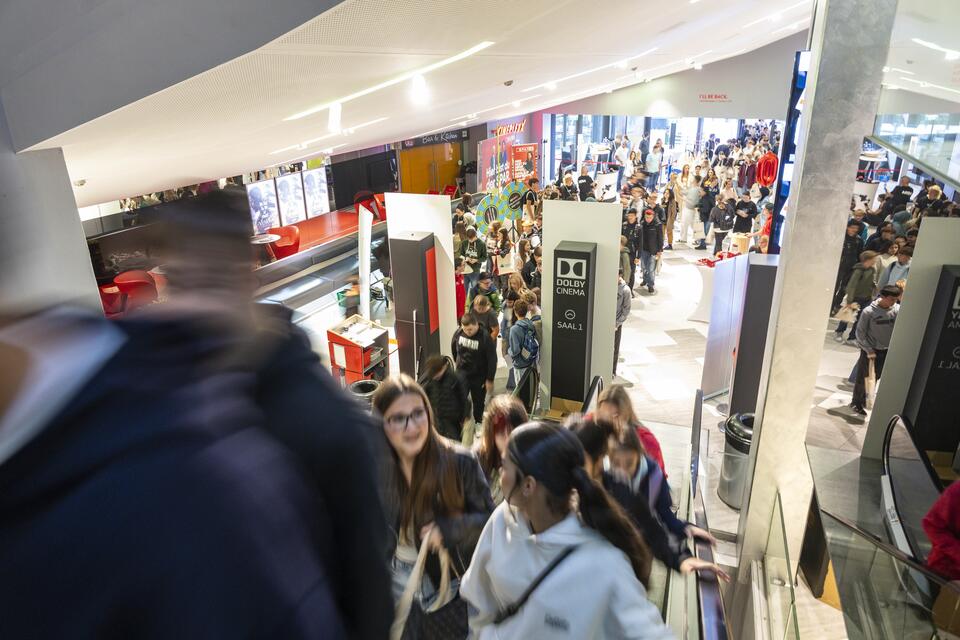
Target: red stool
(138, 287)
(289, 242)
(112, 300)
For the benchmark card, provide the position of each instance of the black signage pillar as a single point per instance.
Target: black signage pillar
(574, 265)
(931, 405)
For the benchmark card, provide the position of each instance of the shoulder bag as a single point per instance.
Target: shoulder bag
(511, 610)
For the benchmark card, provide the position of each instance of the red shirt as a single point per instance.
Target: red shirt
(461, 295)
(942, 526)
(651, 446)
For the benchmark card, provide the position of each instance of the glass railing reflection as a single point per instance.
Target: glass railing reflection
(930, 140)
(885, 593)
(778, 582)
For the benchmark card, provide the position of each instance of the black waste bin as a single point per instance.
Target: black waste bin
(736, 451)
(363, 391)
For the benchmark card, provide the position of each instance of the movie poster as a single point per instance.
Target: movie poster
(290, 199)
(315, 190)
(262, 197)
(494, 162)
(524, 160)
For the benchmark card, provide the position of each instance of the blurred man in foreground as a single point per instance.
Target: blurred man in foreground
(168, 475)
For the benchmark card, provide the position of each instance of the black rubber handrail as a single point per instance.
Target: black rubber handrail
(596, 386)
(713, 619)
(887, 471)
(890, 550)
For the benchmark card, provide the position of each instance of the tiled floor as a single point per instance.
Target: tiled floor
(662, 362)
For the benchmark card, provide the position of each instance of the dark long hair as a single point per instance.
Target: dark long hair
(435, 488)
(554, 456)
(504, 414)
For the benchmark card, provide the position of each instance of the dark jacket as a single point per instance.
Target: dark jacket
(850, 254)
(527, 270)
(460, 531)
(449, 400)
(745, 224)
(660, 213)
(650, 236)
(862, 283)
(630, 230)
(722, 218)
(706, 204)
(476, 356)
(665, 547)
(339, 453)
(154, 506)
(536, 279)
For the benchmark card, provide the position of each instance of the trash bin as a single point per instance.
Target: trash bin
(736, 451)
(363, 391)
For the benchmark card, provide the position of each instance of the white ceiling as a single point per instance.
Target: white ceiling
(228, 120)
(910, 64)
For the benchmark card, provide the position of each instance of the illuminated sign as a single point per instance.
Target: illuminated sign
(507, 129)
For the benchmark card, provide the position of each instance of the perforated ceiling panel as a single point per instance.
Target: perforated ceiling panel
(231, 119)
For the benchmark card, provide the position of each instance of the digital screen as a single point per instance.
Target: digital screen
(264, 213)
(315, 192)
(290, 198)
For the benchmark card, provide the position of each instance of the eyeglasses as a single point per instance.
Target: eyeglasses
(400, 421)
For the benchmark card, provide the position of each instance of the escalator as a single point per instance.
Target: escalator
(884, 586)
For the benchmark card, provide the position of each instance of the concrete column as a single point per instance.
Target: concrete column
(842, 94)
(44, 258)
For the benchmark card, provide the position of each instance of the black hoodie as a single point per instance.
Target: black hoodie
(153, 506)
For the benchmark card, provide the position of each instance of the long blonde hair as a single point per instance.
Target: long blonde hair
(618, 396)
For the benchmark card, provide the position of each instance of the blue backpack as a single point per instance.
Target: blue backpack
(529, 346)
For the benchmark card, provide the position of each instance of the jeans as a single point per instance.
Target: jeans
(478, 395)
(860, 386)
(706, 227)
(718, 238)
(469, 282)
(652, 181)
(619, 177)
(616, 347)
(648, 261)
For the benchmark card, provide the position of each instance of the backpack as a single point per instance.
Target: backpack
(529, 346)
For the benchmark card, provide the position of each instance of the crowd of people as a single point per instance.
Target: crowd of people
(875, 258)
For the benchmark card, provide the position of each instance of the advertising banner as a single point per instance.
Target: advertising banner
(290, 198)
(523, 160)
(493, 164)
(573, 293)
(263, 205)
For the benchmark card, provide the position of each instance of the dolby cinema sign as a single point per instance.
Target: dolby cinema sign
(574, 265)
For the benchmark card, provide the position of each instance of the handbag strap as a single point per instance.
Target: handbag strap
(512, 609)
(402, 610)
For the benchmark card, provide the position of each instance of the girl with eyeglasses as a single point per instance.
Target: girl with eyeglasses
(434, 494)
(550, 566)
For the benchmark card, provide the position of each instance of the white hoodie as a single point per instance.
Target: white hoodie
(593, 593)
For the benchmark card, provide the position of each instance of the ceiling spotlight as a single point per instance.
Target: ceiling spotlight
(516, 104)
(333, 117)
(621, 65)
(775, 17)
(79, 183)
(951, 55)
(697, 66)
(419, 92)
(550, 86)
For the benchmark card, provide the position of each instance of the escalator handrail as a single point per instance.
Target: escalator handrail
(596, 387)
(713, 621)
(888, 437)
(889, 549)
(885, 461)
